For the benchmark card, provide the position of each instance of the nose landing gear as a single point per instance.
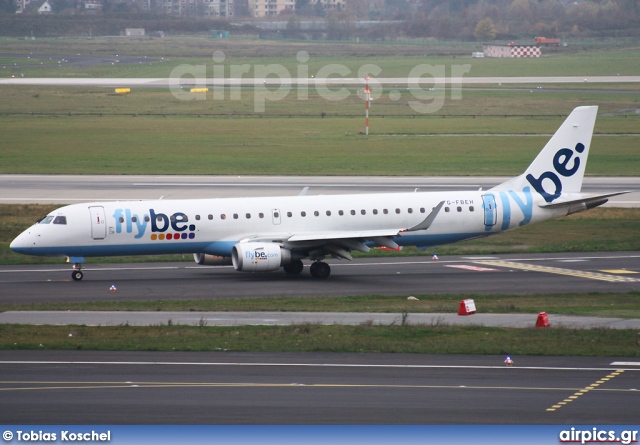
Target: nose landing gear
(77, 274)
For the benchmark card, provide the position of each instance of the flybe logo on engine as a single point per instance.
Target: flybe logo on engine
(561, 162)
(259, 255)
(163, 227)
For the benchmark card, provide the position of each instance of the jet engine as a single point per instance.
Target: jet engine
(259, 257)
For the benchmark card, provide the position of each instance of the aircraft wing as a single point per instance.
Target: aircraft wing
(340, 243)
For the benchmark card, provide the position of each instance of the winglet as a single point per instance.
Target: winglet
(424, 225)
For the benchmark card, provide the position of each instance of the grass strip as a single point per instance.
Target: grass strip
(422, 339)
(623, 305)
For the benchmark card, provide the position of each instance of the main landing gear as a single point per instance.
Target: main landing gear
(77, 274)
(320, 269)
(294, 267)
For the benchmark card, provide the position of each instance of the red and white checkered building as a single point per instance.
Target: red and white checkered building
(514, 51)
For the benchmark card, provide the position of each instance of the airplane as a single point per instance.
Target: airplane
(266, 234)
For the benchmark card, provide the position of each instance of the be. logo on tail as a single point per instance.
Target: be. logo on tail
(560, 164)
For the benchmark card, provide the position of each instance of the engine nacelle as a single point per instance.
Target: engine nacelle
(259, 257)
(212, 260)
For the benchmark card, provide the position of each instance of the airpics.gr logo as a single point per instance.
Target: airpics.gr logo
(177, 225)
(560, 161)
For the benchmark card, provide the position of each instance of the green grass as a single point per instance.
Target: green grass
(626, 305)
(156, 145)
(395, 60)
(315, 338)
(518, 106)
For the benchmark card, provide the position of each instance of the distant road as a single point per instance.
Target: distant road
(69, 189)
(408, 81)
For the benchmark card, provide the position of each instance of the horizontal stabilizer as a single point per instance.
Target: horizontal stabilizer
(582, 203)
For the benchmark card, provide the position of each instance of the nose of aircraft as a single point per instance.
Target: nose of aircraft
(22, 243)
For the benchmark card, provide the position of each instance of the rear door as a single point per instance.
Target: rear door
(489, 204)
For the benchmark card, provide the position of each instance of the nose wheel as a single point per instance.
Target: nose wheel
(77, 274)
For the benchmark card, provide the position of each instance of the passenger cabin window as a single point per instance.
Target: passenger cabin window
(60, 220)
(261, 215)
(134, 219)
(197, 217)
(303, 214)
(223, 216)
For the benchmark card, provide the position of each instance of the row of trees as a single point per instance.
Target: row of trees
(454, 19)
(503, 19)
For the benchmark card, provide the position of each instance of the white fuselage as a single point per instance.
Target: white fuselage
(213, 226)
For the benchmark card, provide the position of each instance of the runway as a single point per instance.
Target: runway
(71, 189)
(177, 82)
(499, 275)
(78, 387)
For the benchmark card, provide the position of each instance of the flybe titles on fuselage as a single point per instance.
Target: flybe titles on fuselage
(162, 227)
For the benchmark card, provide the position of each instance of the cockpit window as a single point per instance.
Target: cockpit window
(60, 220)
(46, 219)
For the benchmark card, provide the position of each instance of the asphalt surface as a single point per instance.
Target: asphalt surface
(76, 60)
(77, 387)
(409, 81)
(403, 277)
(69, 189)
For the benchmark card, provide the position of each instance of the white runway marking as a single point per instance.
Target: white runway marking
(307, 365)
